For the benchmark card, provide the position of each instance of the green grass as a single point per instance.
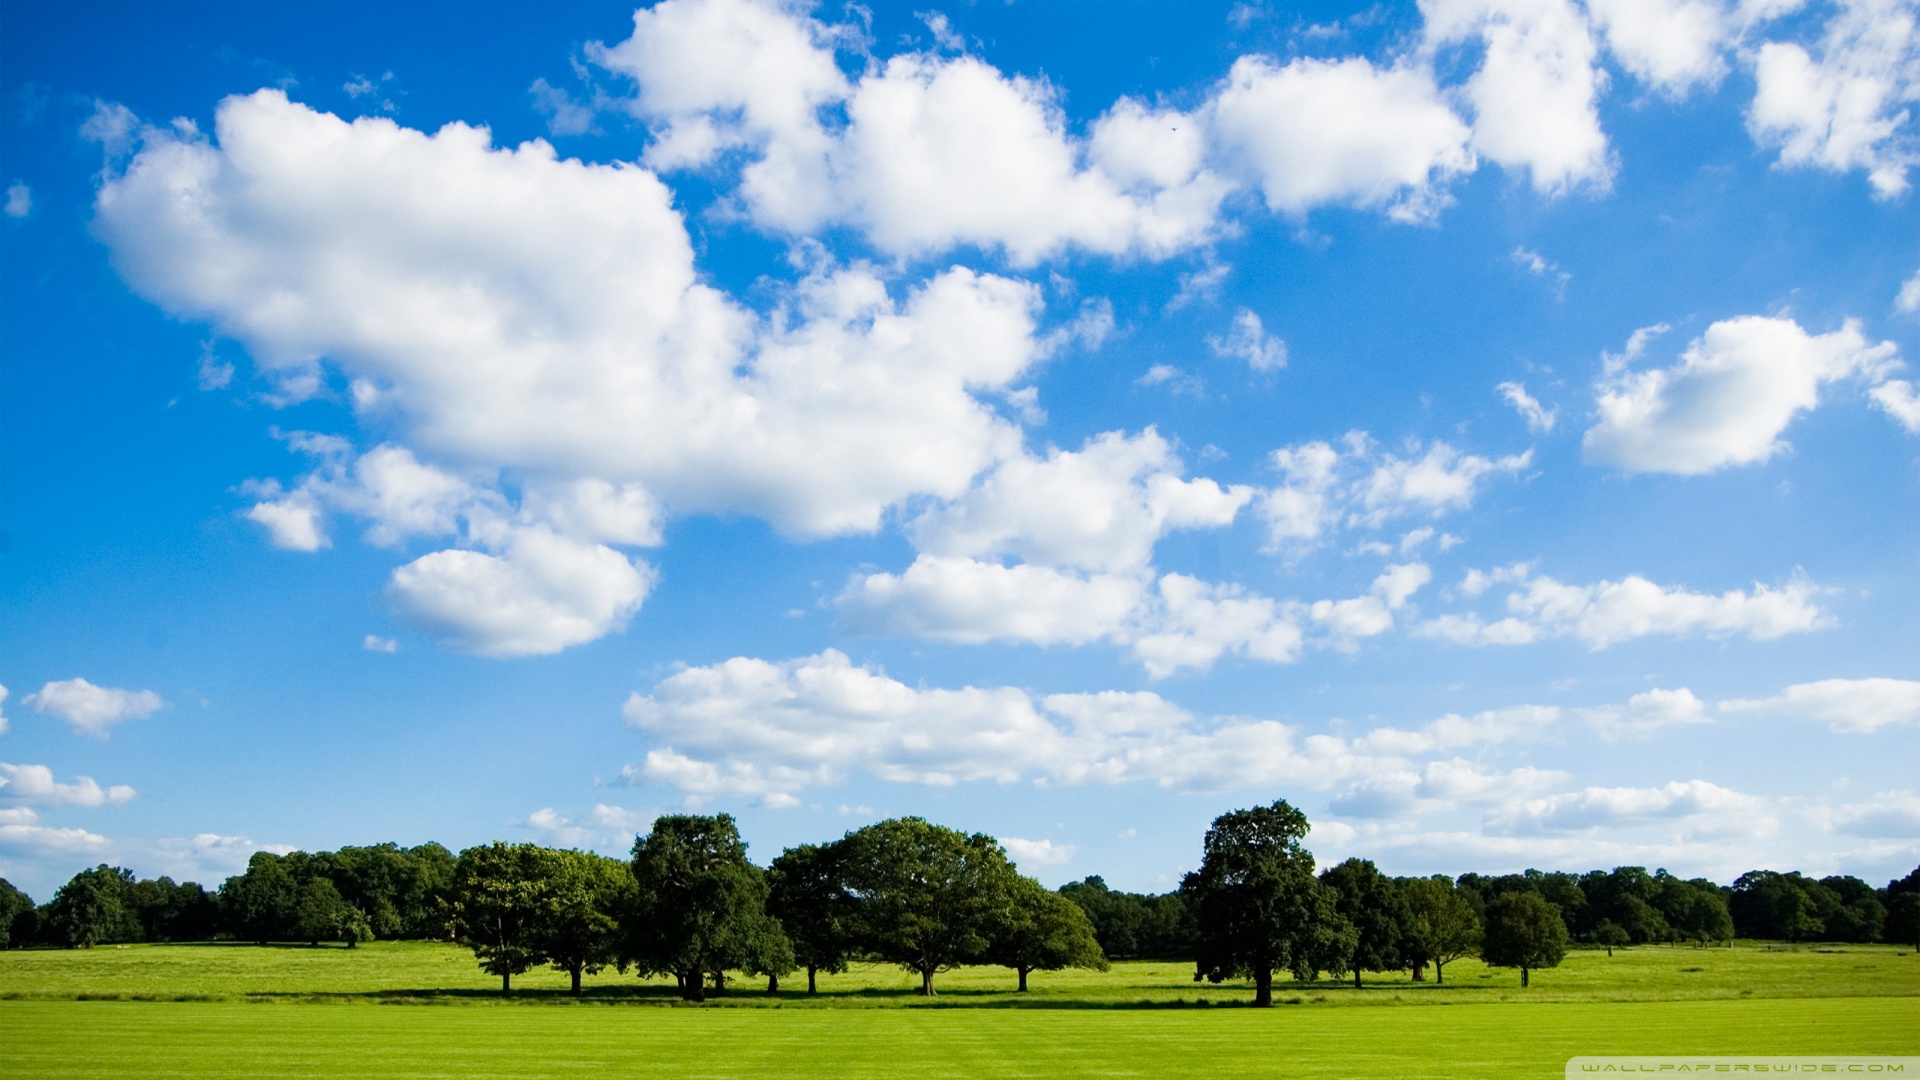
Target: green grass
(274, 1012)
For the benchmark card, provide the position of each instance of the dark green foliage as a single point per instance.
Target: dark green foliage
(1611, 936)
(1781, 907)
(702, 905)
(1908, 884)
(1257, 906)
(1041, 930)
(1133, 926)
(1523, 930)
(1372, 903)
(807, 892)
(929, 898)
(500, 904)
(93, 909)
(1442, 925)
(1850, 910)
(1903, 919)
(259, 904)
(17, 925)
(588, 896)
(319, 914)
(401, 890)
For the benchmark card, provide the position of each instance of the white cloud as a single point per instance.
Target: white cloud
(1609, 612)
(1671, 45)
(1192, 623)
(966, 600)
(1372, 614)
(1847, 104)
(1361, 485)
(1100, 508)
(294, 522)
(541, 594)
(1899, 399)
(1341, 133)
(1647, 712)
(376, 643)
(1908, 300)
(1033, 854)
(1734, 392)
(3, 713)
(20, 830)
(1248, 341)
(934, 151)
(1534, 94)
(1890, 814)
(1539, 418)
(1697, 806)
(33, 785)
(93, 710)
(1850, 705)
(19, 200)
(1454, 731)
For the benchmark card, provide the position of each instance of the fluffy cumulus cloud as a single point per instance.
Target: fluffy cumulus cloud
(1728, 400)
(1031, 855)
(1360, 484)
(93, 710)
(1645, 713)
(34, 785)
(1672, 45)
(1696, 807)
(1316, 133)
(1848, 102)
(1849, 705)
(1534, 96)
(1609, 612)
(1889, 815)
(605, 824)
(532, 323)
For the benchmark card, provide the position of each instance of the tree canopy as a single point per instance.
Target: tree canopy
(702, 907)
(1040, 930)
(1523, 930)
(500, 904)
(1441, 925)
(929, 897)
(807, 892)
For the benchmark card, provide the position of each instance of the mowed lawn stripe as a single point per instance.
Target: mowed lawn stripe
(201, 1039)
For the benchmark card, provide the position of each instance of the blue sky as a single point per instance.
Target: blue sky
(1490, 425)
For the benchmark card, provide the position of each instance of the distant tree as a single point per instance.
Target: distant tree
(1626, 897)
(1695, 909)
(501, 900)
(174, 912)
(1442, 926)
(321, 914)
(1910, 883)
(1851, 910)
(1134, 926)
(15, 906)
(702, 905)
(1903, 919)
(807, 892)
(258, 905)
(1611, 935)
(1372, 903)
(929, 898)
(1040, 930)
(1774, 906)
(91, 909)
(1523, 930)
(1257, 906)
(587, 896)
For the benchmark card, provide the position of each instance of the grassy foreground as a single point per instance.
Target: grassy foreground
(242, 1011)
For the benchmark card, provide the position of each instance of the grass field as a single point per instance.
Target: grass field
(269, 1012)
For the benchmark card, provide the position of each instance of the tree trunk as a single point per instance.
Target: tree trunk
(1420, 971)
(575, 970)
(719, 982)
(813, 984)
(696, 988)
(1523, 976)
(1609, 948)
(926, 982)
(506, 982)
(773, 983)
(1356, 976)
(1023, 978)
(1263, 988)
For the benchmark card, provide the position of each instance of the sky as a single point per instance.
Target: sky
(1490, 425)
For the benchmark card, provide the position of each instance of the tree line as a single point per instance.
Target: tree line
(688, 903)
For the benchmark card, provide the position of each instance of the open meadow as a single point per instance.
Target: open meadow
(237, 1010)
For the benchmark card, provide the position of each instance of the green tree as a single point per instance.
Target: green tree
(91, 909)
(258, 905)
(500, 907)
(1903, 919)
(1611, 935)
(702, 905)
(321, 914)
(1373, 904)
(1441, 925)
(1134, 926)
(1040, 930)
(1523, 930)
(928, 897)
(807, 892)
(14, 907)
(587, 896)
(1775, 906)
(1257, 906)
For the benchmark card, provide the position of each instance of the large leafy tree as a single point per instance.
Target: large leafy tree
(321, 914)
(14, 906)
(1040, 930)
(702, 905)
(807, 892)
(1373, 904)
(1134, 926)
(258, 905)
(929, 897)
(500, 906)
(1257, 906)
(1525, 931)
(1903, 919)
(1441, 925)
(587, 895)
(1779, 907)
(92, 909)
